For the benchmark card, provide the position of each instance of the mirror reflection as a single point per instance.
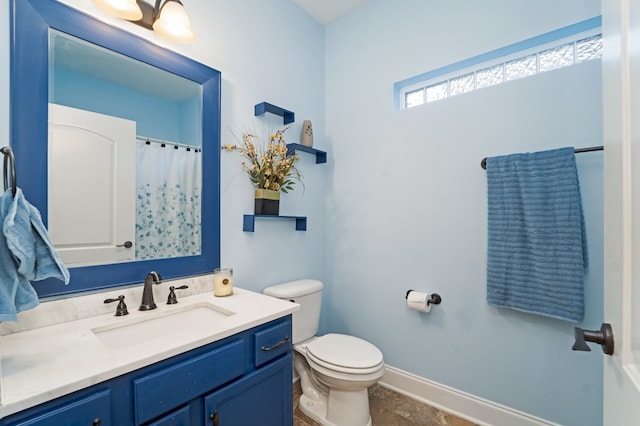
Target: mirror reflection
(125, 157)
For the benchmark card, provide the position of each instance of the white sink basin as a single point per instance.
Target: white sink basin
(128, 332)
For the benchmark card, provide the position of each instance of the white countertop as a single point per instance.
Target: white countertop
(52, 360)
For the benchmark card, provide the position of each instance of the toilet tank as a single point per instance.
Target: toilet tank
(307, 293)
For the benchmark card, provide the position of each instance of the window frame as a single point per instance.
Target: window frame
(535, 45)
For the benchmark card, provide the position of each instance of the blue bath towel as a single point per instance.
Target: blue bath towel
(26, 254)
(536, 244)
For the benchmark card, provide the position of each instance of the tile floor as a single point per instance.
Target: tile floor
(389, 408)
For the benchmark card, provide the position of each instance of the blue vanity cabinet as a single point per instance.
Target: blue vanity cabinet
(244, 379)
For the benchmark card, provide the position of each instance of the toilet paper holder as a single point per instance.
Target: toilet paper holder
(434, 299)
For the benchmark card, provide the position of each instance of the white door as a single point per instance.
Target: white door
(92, 160)
(621, 104)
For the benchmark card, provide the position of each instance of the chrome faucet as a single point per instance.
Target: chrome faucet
(147, 294)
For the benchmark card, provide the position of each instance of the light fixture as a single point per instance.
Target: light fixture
(125, 9)
(169, 20)
(173, 23)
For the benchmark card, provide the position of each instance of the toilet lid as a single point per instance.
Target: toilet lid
(345, 351)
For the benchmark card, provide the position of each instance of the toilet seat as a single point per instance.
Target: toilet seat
(346, 354)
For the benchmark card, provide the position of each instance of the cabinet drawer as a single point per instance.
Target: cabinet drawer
(94, 409)
(272, 342)
(171, 387)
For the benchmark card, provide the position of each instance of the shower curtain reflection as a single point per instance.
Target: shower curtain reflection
(168, 201)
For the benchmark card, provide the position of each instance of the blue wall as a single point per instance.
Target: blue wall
(407, 206)
(154, 116)
(402, 201)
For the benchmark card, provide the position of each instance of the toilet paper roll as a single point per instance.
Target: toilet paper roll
(419, 301)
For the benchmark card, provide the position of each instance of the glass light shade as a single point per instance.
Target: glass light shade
(125, 9)
(173, 23)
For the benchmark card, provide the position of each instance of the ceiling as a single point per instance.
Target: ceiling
(327, 11)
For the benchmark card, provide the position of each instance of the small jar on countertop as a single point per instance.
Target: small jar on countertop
(222, 282)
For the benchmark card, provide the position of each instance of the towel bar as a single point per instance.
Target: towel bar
(9, 159)
(483, 163)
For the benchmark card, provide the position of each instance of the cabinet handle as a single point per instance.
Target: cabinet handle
(214, 418)
(277, 345)
(96, 422)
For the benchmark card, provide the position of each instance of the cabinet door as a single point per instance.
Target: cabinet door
(261, 398)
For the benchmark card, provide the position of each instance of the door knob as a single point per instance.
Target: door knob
(603, 337)
(127, 244)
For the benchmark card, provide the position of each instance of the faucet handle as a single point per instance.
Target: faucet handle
(121, 309)
(172, 299)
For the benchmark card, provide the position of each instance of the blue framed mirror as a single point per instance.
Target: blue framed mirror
(38, 26)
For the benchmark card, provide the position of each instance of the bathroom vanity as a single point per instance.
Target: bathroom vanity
(231, 367)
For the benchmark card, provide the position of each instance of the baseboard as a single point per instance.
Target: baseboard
(461, 404)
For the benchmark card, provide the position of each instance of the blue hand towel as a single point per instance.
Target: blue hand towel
(536, 243)
(26, 255)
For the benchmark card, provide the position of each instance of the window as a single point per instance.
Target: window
(557, 49)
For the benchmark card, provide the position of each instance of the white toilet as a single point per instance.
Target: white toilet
(335, 369)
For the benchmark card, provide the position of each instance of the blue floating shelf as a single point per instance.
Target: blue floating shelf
(321, 156)
(287, 116)
(248, 221)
